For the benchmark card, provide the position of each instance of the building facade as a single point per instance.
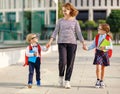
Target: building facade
(19, 17)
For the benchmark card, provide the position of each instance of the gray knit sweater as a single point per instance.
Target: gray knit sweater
(67, 31)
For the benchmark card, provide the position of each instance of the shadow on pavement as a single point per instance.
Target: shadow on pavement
(56, 86)
(50, 86)
(12, 85)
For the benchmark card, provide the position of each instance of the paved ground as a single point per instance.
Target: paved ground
(13, 79)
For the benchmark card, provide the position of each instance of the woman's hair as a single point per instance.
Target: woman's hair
(73, 10)
(29, 37)
(106, 28)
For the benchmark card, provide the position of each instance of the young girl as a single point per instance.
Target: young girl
(67, 43)
(33, 46)
(101, 59)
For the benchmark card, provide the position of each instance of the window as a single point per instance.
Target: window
(82, 15)
(117, 2)
(105, 2)
(23, 3)
(111, 2)
(38, 21)
(11, 16)
(50, 3)
(39, 2)
(99, 14)
(9, 4)
(14, 3)
(1, 17)
(99, 2)
(52, 17)
(87, 2)
(81, 2)
(75, 2)
(93, 2)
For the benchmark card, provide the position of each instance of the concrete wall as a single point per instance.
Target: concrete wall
(16, 55)
(11, 56)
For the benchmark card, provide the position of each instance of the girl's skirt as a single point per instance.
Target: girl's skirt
(101, 58)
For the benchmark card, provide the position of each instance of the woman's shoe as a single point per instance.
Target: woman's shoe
(61, 81)
(67, 85)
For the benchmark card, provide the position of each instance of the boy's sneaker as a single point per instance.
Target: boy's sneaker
(102, 85)
(30, 85)
(38, 83)
(61, 81)
(67, 85)
(97, 85)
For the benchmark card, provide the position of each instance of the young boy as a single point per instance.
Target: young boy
(33, 50)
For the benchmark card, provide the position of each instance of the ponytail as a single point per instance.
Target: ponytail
(110, 34)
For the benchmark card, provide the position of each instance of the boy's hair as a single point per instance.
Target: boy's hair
(29, 37)
(73, 10)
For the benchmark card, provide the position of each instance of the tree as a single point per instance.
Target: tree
(60, 15)
(82, 25)
(114, 21)
(90, 25)
(101, 21)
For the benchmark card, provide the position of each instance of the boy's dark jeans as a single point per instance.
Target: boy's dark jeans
(33, 66)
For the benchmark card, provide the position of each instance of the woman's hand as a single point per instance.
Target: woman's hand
(49, 43)
(85, 47)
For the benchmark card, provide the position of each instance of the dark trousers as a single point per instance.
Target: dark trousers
(67, 54)
(33, 66)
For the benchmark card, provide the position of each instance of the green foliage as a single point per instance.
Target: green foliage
(90, 24)
(101, 21)
(114, 21)
(82, 25)
(84, 33)
(60, 15)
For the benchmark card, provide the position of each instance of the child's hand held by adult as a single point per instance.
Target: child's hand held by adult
(47, 45)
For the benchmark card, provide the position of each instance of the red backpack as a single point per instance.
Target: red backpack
(107, 37)
(30, 48)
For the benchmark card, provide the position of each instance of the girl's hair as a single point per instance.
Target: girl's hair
(106, 28)
(73, 11)
(29, 37)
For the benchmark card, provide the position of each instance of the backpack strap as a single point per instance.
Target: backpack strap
(30, 47)
(26, 57)
(39, 49)
(108, 37)
(110, 50)
(96, 39)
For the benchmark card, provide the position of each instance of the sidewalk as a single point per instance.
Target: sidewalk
(13, 79)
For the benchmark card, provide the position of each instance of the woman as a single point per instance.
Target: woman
(67, 28)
